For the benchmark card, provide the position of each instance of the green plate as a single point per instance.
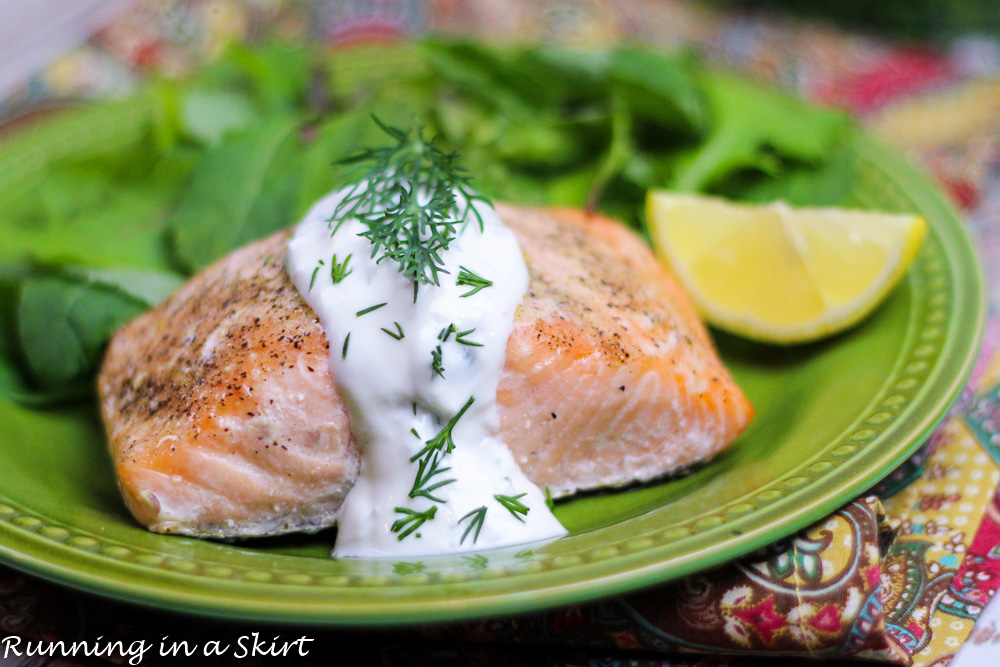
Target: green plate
(832, 419)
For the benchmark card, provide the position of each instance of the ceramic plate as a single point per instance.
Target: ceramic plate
(832, 419)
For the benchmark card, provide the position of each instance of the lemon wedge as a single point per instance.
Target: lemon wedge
(779, 274)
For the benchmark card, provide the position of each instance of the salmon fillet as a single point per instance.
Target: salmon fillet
(224, 419)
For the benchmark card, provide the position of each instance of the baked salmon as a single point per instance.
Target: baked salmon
(224, 419)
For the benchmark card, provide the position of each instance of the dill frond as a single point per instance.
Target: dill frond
(412, 199)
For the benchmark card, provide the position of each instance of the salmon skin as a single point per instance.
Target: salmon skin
(224, 419)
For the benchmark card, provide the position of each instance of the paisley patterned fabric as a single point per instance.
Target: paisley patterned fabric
(899, 576)
(818, 594)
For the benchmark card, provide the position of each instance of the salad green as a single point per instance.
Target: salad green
(243, 147)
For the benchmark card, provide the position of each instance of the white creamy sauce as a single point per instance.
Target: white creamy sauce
(399, 405)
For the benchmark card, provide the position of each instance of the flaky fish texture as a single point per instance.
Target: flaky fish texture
(224, 418)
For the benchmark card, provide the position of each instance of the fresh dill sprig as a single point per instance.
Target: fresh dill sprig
(411, 520)
(431, 456)
(312, 281)
(347, 341)
(478, 517)
(411, 199)
(549, 502)
(369, 309)
(398, 334)
(429, 467)
(460, 338)
(459, 335)
(443, 440)
(436, 361)
(514, 505)
(467, 278)
(339, 271)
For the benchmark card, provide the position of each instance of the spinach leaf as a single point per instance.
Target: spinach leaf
(541, 144)
(575, 77)
(274, 76)
(57, 321)
(144, 286)
(207, 115)
(102, 211)
(490, 75)
(660, 87)
(750, 126)
(828, 183)
(243, 189)
(63, 326)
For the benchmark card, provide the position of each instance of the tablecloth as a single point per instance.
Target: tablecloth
(899, 575)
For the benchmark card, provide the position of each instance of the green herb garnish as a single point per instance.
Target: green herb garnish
(443, 440)
(411, 520)
(514, 505)
(339, 271)
(347, 341)
(478, 517)
(467, 278)
(436, 354)
(429, 467)
(398, 334)
(460, 338)
(436, 363)
(431, 457)
(369, 309)
(411, 199)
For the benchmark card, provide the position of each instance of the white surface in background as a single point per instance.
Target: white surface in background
(982, 648)
(34, 32)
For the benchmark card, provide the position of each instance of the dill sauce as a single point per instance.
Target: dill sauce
(383, 363)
